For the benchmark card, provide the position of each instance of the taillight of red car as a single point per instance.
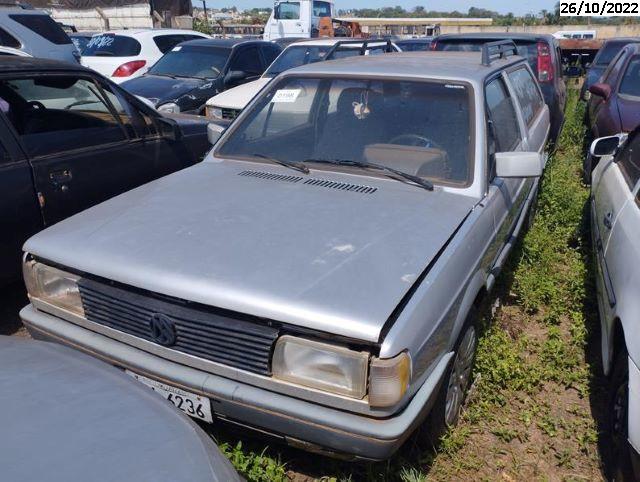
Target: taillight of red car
(545, 63)
(125, 70)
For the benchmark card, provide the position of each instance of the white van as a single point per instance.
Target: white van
(297, 18)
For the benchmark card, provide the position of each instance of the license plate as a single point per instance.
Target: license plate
(193, 405)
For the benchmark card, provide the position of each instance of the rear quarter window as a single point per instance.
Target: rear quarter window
(8, 40)
(44, 26)
(527, 92)
(109, 45)
(167, 42)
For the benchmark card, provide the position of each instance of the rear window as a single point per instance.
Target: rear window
(110, 45)
(526, 49)
(8, 40)
(44, 26)
(295, 56)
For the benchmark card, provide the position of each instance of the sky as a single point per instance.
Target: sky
(518, 7)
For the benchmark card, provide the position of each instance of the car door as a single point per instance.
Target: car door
(84, 140)
(504, 134)
(603, 113)
(613, 195)
(20, 215)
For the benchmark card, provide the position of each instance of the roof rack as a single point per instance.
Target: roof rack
(388, 46)
(500, 49)
(16, 4)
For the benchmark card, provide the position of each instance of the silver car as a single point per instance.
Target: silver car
(316, 276)
(615, 227)
(35, 33)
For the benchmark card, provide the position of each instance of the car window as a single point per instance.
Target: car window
(186, 38)
(631, 81)
(248, 60)
(362, 120)
(4, 155)
(110, 45)
(44, 26)
(611, 73)
(527, 93)
(167, 42)
(59, 113)
(629, 161)
(502, 116)
(608, 51)
(192, 61)
(8, 40)
(295, 56)
(321, 9)
(270, 53)
(287, 11)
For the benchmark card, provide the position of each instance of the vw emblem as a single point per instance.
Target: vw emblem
(162, 329)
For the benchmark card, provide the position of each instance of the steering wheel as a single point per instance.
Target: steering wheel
(36, 105)
(414, 140)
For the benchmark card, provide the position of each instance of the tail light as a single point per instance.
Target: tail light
(545, 63)
(125, 70)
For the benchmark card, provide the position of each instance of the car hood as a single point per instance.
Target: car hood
(265, 240)
(161, 89)
(238, 97)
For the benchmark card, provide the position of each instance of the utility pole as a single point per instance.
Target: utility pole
(206, 17)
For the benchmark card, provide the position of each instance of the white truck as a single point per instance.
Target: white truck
(297, 18)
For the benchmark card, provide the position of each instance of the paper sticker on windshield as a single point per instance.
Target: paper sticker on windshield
(177, 49)
(286, 95)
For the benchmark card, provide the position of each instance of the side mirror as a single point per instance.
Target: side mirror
(169, 128)
(607, 146)
(601, 90)
(214, 132)
(519, 164)
(235, 76)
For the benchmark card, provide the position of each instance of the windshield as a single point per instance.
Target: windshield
(360, 120)
(109, 45)
(192, 61)
(631, 81)
(295, 56)
(608, 52)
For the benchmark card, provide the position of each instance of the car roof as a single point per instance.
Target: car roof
(495, 35)
(432, 65)
(151, 32)
(621, 40)
(335, 40)
(223, 42)
(30, 64)
(421, 40)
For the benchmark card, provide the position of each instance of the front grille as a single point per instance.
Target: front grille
(216, 335)
(230, 114)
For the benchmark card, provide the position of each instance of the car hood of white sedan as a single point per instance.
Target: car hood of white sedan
(240, 96)
(330, 251)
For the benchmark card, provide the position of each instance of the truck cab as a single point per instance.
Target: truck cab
(298, 18)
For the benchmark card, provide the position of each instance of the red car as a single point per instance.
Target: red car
(614, 105)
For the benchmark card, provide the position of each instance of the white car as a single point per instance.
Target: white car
(228, 104)
(125, 54)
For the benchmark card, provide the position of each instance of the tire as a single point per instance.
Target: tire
(446, 410)
(587, 169)
(617, 410)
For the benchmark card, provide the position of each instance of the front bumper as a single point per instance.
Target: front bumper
(297, 422)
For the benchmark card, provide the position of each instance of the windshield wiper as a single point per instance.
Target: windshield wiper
(163, 75)
(298, 166)
(370, 165)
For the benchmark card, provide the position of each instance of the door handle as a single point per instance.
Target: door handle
(608, 220)
(60, 178)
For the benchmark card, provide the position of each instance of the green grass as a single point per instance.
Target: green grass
(534, 346)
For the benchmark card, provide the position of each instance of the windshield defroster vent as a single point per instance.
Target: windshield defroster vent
(312, 181)
(343, 186)
(270, 176)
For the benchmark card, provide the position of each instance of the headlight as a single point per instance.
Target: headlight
(318, 365)
(215, 112)
(53, 286)
(389, 380)
(169, 108)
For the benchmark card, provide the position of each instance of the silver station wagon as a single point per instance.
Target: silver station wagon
(316, 277)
